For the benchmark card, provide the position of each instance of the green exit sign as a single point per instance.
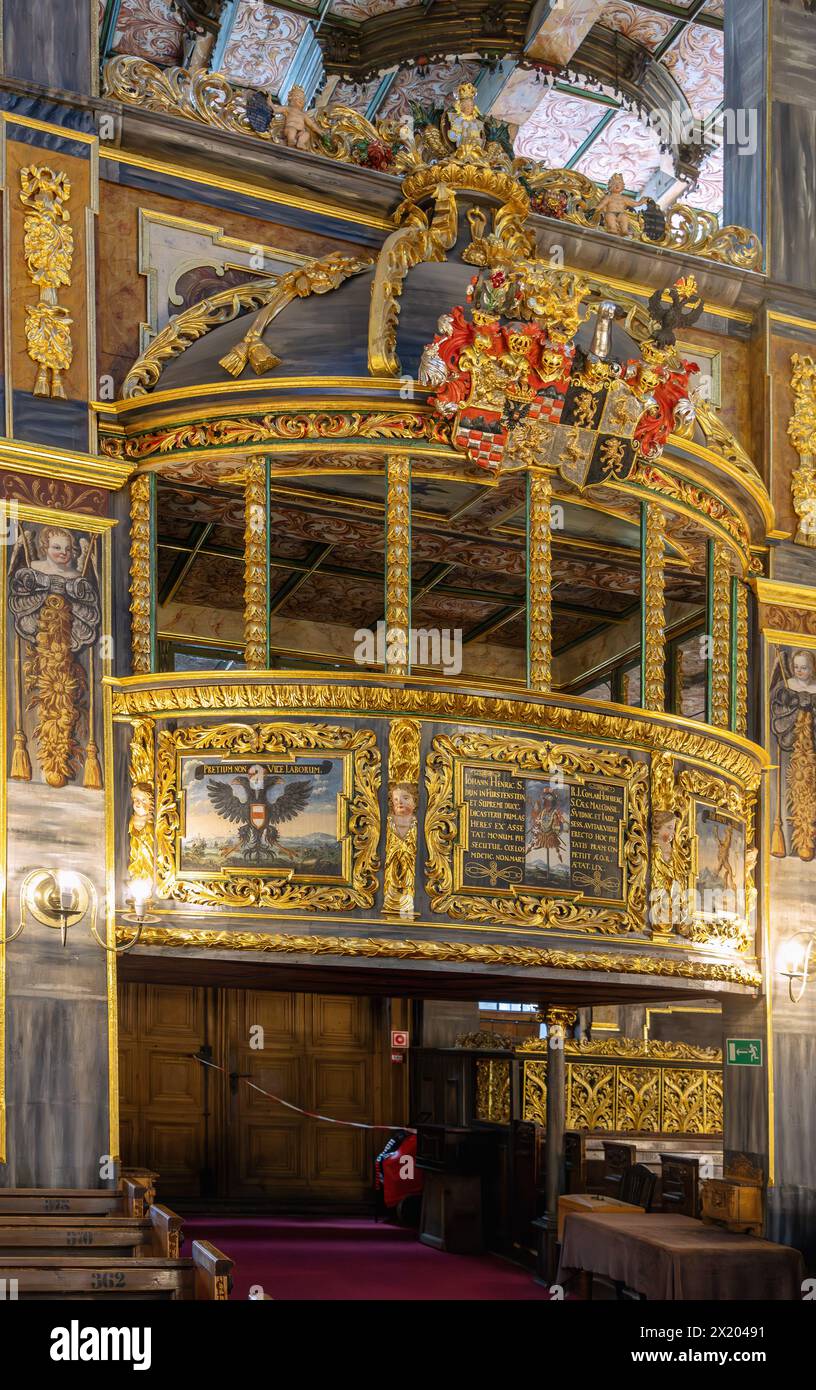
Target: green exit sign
(743, 1052)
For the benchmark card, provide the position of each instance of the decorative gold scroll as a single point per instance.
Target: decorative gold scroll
(256, 572)
(359, 834)
(270, 296)
(653, 599)
(530, 907)
(48, 247)
(418, 241)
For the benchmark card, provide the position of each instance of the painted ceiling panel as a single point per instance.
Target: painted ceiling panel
(557, 128)
(366, 9)
(262, 44)
(625, 146)
(434, 89)
(696, 64)
(709, 191)
(149, 29)
(357, 95)
(638, 24)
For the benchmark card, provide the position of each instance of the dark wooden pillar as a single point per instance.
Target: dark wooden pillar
(559, 1021)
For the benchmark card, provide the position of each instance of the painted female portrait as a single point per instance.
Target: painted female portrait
(55, 606)
(793, 722)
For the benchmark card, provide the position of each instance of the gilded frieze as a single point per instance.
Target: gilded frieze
(164, 698)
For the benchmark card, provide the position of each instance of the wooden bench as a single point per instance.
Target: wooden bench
(88, 1201)
(157, 1234)
(206, 1276)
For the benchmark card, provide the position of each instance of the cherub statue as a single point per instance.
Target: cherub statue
(614, 207)
(298, 125)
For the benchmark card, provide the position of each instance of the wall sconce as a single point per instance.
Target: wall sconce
(61, 898)
(57, 898)
(793, 962)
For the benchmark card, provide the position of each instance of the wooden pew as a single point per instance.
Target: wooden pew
(156, 1234)
(206, 1276)
(89, 1201)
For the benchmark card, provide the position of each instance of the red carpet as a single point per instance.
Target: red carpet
(341, 1259)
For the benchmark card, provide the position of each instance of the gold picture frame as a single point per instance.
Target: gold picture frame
(446, 819)
(255, 887)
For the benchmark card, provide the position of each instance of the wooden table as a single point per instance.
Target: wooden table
(672, 1257)
(589, 1204)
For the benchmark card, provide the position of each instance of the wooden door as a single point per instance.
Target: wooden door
(208, 1134)
(164, 1094)
(319, 1052)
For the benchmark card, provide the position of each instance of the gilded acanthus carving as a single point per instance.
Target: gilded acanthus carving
(48, 247)
(802, 432)
(459, 952)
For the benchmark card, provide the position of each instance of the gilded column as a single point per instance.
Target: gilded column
(739, 658)
(401, 823)
(256, 566)
(653, 607)
(398, 566)
(142, 491)
(558, 1021)
(719, 630)
(539, 581)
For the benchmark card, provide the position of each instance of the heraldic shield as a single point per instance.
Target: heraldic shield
(514, 388)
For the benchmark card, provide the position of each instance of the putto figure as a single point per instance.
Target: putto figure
(298, 126)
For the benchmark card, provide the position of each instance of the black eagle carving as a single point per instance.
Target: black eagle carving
(685, 308)
(248, 801)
